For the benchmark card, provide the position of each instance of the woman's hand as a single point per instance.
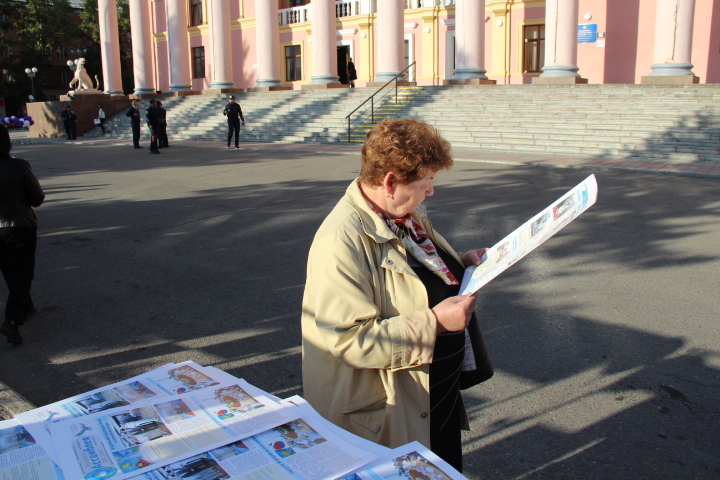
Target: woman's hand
(473, 257)
(453, 314)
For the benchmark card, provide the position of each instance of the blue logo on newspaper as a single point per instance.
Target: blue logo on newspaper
(84, 429)
(105, 472)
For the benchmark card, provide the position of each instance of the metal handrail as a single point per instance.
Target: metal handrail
(371, 98)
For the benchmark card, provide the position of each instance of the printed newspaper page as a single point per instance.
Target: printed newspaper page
(530, 235)
(302, 449)
(411, 461)
(21, 458)
(170, 379)
(126, 441)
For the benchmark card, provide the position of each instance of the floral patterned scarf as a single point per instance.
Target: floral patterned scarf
(418, 243)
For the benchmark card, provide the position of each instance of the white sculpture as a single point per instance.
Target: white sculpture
(82, 79)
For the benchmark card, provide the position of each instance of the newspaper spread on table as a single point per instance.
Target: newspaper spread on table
(21, 457)
(530, 235)
(164, 381)
(123, 442)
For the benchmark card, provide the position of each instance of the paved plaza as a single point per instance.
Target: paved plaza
(604, 340)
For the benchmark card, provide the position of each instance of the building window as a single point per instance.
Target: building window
(62, 52)
(198, 54)
(65, 76)
(7, 76)
(196, 13)
(534, 53)
(293, 63)
(6, 51)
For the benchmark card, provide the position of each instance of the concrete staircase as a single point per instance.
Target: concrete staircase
(394, 105)
(670, 123)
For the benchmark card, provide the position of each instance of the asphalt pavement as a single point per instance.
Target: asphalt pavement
(604, 339)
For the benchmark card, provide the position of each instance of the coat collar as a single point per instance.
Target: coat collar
(373, 224)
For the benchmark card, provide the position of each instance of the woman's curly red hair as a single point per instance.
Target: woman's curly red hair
(409, 148)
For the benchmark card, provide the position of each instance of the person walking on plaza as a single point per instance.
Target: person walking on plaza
(134, 114)
(152, 115)
(234, 115)
(162, 139)
(20, 190)
(101, 117)
(70, 121)
(352, 73)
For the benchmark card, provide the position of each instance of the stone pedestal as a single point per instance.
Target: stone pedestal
(469, 81)
(267, 89)
(47, 115)
(670, 80)
(559, 81)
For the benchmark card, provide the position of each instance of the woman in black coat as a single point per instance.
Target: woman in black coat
(19, 192)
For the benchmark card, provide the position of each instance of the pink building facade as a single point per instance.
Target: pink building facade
(211, 45)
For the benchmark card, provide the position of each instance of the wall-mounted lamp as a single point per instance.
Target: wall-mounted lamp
(588, 16)
(487, 17)
(428, 29)
(364, 35)
(499, 23)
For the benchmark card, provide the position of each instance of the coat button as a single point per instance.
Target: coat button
(423, 415)
(390, 262)
(376, 427)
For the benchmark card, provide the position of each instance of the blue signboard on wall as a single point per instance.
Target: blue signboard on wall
(587, 32)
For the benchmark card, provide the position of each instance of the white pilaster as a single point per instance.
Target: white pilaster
(561, 24)
(469, 40)
(390, 50)
(673, 38)
(178, 45)
(110, 46)
(267, 32)
(221, 44)
(142, 46)
(323, 46)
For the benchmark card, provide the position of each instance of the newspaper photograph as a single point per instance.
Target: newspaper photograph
(530, 235)
(300, 449)
(126, 441)
(409, 462)
(21, 458)
(161, 382)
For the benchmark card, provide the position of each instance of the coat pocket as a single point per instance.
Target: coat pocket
(365, 419)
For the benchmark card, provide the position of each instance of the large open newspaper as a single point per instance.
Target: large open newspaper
(530, 235)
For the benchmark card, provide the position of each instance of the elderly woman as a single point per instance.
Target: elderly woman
(387, 341)
(19, 192)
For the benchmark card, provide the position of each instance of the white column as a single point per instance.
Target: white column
(561, 25)
(267, 32)
(324, 46)
(673, 38)
(469, 39)
(390, 44)
(110, 46)
(221, 39)
(142, 46)
(178, 45)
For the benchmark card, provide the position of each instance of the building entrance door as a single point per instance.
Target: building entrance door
(343, 54)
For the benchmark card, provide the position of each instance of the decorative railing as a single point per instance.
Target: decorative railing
(347, 8)
(410, 4)
(288, 16)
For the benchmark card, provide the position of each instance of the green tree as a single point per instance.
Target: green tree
(90, 27)
(35, 29)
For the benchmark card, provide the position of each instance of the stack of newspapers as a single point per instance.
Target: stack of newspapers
(186, 421)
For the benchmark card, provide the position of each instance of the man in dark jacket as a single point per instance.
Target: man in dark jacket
(134, 114)
(19, 192)
(70, 121)
(234, 115)
(152, 116)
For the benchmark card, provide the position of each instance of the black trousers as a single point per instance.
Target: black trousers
(73, 130)
(234, 126)
(163, 140)
(136, 134)
(17, 262)
(68, 130)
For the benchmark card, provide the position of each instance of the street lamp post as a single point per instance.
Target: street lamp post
(31, 73)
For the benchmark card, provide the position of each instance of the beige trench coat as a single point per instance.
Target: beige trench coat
(368, 334)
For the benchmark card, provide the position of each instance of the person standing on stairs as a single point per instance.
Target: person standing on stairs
(101, 118)
(134, 114)
(234, 115)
